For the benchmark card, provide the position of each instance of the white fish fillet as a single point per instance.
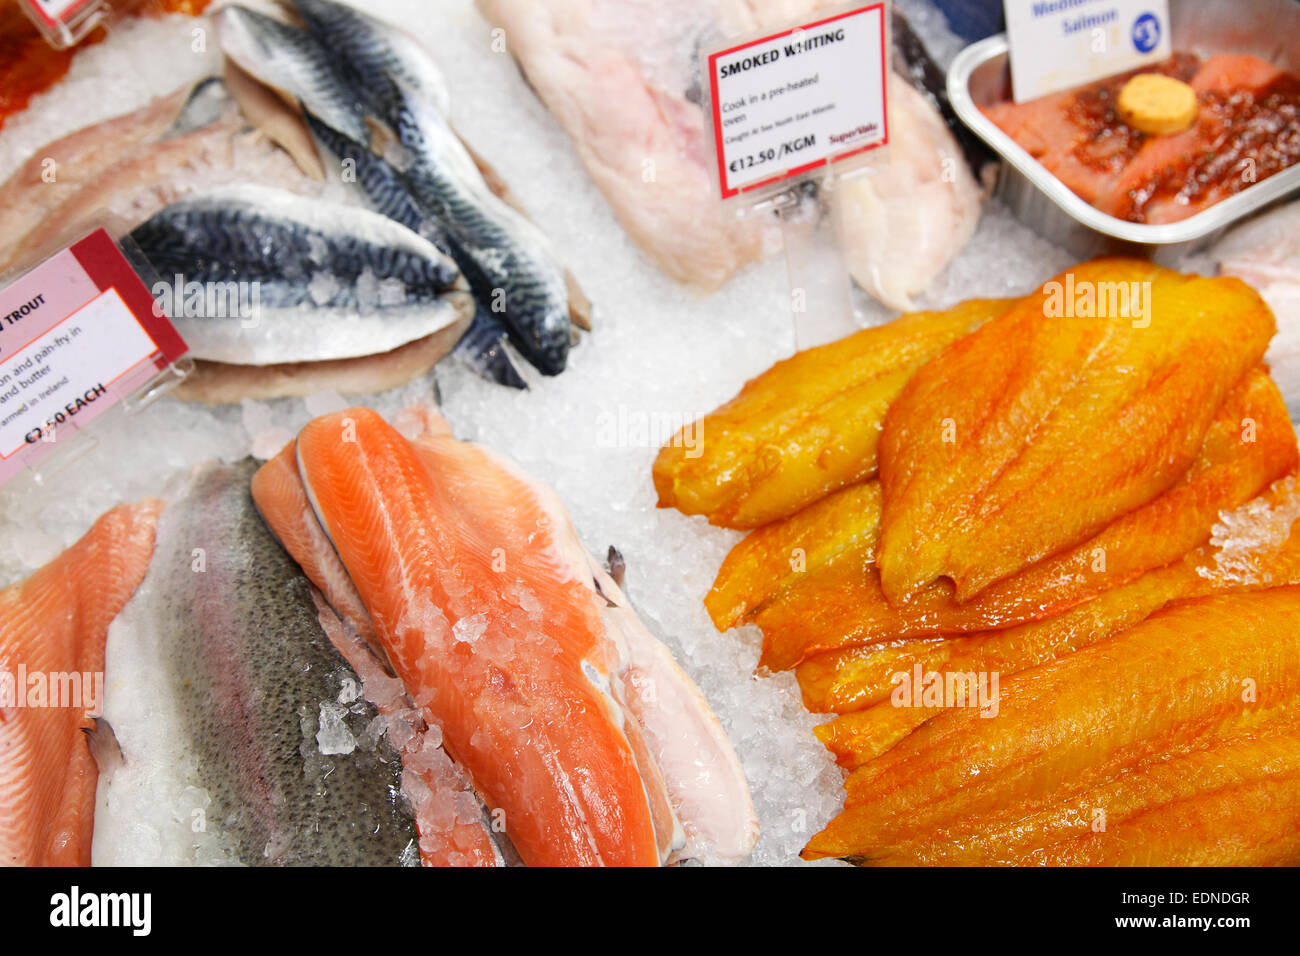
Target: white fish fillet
(216, 383)
(621, 76)
(703, 775)
(903, 224)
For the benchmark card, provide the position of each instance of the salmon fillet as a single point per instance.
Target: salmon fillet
(455, 576)
(1245, 107)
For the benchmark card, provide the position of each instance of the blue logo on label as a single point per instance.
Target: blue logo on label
(1146, 32)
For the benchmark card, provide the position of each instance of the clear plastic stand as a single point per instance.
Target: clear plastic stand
(70, 23)
(59, 437)
(821, 305)
(83, 441)
(820, 299)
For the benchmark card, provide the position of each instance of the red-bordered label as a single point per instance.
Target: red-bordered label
(810, 87)
(108, 268)
(78, 334)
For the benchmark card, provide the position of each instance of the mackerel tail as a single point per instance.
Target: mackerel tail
(482, 347)
(514, 255)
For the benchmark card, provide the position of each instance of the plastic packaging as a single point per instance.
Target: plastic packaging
(65, 23)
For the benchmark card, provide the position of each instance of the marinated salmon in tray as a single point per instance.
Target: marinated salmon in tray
(1245, 128)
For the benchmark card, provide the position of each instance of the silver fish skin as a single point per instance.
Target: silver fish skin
(482, 347)
(373, 51)
(515, 258)
(232, 630)
(513, 253)
(292, 61)
(209, 145)
(83, 159)
(208, 103)
(313, 280)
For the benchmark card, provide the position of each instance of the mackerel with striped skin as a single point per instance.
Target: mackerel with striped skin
(512, 252)
(483, 345)
(508, 260)
(305, 260)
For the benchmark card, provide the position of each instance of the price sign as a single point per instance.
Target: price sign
(78, 334)
(1059, 44)
(788, 102)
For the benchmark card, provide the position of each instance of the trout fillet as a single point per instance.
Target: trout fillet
(482, 598)
(56, 622)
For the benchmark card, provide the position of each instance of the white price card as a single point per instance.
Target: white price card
(1059, 44)
(788, 102)
(78, 334)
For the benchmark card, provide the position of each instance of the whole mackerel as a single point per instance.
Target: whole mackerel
(243, 732)
(507, 259)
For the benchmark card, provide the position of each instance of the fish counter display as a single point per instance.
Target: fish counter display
(497, 518)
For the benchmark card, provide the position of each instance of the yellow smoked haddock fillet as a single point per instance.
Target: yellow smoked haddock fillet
(1235, 804)
(862, 684)
(831, 598)
(1191, 677)
(807, 426)
(776, 557)
(846, 682)
(1038, 429)
(56, 622)
(868, 681)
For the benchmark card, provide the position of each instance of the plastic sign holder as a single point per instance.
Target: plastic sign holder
(82, 342)
(794, 113)
(65, 23)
